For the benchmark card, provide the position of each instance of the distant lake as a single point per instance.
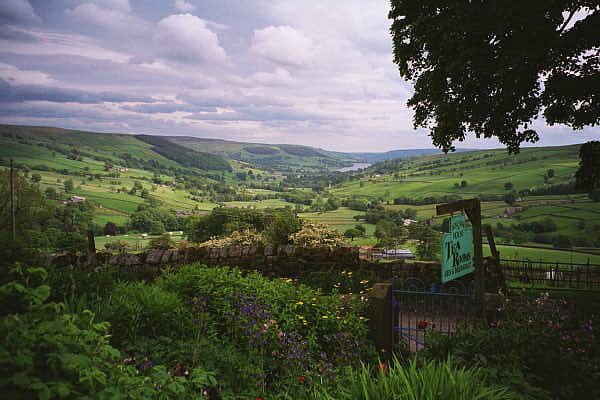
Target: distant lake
(354, 167)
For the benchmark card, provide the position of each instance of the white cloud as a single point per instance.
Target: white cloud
(18, 11)
(120, 5)
(186, 38)
(283, 44)
(54, 44)
(184, 6)
(90, 13)
(16, 76)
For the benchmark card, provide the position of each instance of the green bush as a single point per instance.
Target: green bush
(538, 347)
(285, 329)
(47, 353)
(429, 381)
(140, 309)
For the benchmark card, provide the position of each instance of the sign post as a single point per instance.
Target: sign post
(472, 207)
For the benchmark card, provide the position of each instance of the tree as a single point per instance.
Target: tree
(352, 233)
(50, 193)
(282, 227)
(110, 229)
(587, 176)
(429, 244)
(463, 183)
(389, 233)
(119, 246)
(163, 242)
(68, 184)
(36, 177)
(508, 186)
(550, 173)
(360, 228)
(491, 69)
(510, 198)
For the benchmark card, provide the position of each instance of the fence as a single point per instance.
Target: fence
(547, 275)
(419, 309)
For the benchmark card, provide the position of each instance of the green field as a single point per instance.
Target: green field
(485, 172)
(541, 254)
(136, 241)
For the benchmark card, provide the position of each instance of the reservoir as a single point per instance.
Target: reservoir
(354, 167)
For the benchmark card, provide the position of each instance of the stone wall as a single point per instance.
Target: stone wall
(272, 261)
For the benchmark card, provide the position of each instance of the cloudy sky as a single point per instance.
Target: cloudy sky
(317, 72)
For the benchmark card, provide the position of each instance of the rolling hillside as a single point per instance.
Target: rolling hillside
(483, 172)
(276, 157)
(41, 145)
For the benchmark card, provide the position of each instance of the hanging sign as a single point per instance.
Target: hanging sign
(457, 249)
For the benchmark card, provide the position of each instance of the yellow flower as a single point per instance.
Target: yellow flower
(325, 317)
(313, 304)
(288, 280)
(361, 318)
(299, 303)
(349, 273)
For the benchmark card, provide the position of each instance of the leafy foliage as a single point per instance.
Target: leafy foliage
(587, 176)
(477, 66)
(432, 380)
(540, 347)
(314, 234)
(242, 238)
(48, 353)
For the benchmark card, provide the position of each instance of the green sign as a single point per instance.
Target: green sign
(457, 249)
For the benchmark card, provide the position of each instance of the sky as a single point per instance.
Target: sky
(312, 72)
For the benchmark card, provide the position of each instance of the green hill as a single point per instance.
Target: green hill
(275, 157)
(468, 174)
(39, 146)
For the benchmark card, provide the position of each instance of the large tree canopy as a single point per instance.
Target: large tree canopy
(491, 67)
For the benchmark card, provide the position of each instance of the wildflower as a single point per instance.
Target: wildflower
(382, 367)
(325, 317)
(302, 379)
(422, 325)
(361, 318)
(299, 303)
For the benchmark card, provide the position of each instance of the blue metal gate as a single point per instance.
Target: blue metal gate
(419, 309)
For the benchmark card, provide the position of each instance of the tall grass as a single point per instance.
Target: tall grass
(431, 380)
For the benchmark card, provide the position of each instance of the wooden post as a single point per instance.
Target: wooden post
(472, 207)
(492, 243)
(91, 247)
(13, 219)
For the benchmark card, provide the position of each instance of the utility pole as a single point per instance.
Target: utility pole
(12, 201)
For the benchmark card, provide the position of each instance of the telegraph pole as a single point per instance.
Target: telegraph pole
(12, 200)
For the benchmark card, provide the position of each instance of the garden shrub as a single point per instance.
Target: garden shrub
(141, 309)
(47, 353)
(539, 347)
(286, 328)
(314, 234)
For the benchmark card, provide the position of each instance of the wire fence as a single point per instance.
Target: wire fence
(548, 275)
